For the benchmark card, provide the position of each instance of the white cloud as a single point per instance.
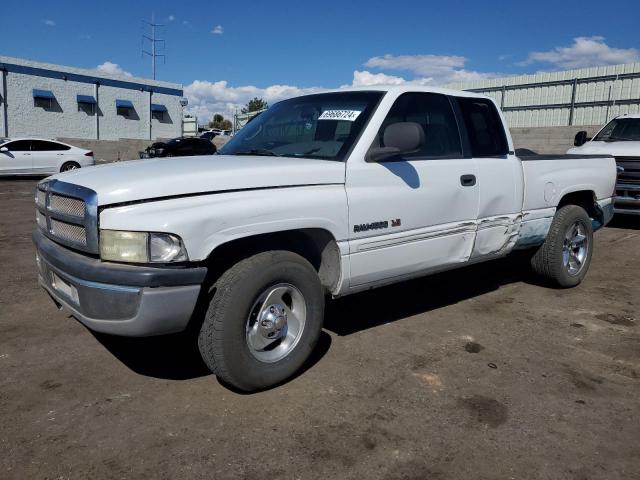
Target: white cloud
(171, 18)
(112, 69)
(364, 78)
(217, 30)
(207, 98)
(429, 69)
(49, 22)
(584, 52)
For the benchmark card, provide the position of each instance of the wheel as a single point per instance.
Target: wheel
(263, 320)
(565, 255)
(69, 166)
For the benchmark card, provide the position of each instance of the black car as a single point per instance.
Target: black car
(209, 135)
(181, 147)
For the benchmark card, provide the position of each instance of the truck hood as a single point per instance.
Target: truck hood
(164, 177)
(617, 149)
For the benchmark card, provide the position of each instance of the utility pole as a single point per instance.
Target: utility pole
(153, 41)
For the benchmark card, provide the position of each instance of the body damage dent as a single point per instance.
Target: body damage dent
(534, 229)
(497, 236)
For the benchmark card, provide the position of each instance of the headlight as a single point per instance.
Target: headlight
(141, 247)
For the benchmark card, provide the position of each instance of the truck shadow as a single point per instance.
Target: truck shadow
(171, 357)
(373, 308)
(176, 357)
(630, 222)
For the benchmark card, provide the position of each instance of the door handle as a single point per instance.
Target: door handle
(468, 180)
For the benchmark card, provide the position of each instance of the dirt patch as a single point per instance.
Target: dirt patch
(624, 320)
(473, 347)
(485, 410)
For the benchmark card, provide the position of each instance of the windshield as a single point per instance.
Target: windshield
(323, 126)
(620, 129)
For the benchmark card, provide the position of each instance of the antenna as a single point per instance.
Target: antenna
(152, 42)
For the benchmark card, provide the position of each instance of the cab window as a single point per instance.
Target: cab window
(434, 114)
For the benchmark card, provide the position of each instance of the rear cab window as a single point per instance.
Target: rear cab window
(484, 127)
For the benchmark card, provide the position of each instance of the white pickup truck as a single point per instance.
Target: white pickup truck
(621, 139)
(326, 194)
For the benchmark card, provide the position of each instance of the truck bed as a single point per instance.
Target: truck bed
(548, 178)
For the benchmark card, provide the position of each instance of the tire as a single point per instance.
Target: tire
(68, 166)
(553, 260)
(239, 320)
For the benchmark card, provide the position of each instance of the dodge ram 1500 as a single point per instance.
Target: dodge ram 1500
(325, 194)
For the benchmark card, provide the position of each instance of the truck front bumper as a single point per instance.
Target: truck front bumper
(133, 301)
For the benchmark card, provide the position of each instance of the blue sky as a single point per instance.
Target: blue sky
(226, 52)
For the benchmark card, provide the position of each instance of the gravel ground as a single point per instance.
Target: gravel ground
(479, 373)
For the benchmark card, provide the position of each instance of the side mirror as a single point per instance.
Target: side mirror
(399, 138)
(4, 149)
(580, 138)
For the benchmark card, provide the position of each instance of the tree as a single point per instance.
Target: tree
(220, 122)
(254, 105)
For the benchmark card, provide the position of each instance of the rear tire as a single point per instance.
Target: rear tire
(263, 321)
(68, 166)
(564, 257)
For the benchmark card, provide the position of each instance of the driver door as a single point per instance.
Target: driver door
(413, 214)
(17, 160)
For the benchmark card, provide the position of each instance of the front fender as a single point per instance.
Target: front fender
(206, 221)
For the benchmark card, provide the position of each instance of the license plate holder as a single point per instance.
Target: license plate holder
(65, 288)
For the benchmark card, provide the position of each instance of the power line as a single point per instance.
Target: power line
(152, 42)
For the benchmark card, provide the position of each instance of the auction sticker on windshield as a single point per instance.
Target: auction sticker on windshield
(349, 115)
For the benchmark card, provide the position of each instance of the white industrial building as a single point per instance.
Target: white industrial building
(587, 96)
(46, 100)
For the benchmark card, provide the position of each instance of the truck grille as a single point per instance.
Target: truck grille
(631, 174)
(66, 205)
(67, 214)
(68, 232)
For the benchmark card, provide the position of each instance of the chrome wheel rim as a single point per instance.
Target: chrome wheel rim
(276, 322)
(575, 248)
(70, 167)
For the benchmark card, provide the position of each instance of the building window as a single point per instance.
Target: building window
(42, 103)
(43, 98)
(125, 108)
(158, 111)
(88, 108)
(123, 111)
(86, 104)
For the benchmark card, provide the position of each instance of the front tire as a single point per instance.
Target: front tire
(564, 257)
(263, 321)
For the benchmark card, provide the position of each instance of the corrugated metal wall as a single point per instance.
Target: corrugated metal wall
(588, 96)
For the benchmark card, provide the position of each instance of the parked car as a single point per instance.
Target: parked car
(35, 156)
(209, 135)
(219, 131)
(325, 194)
(181, 147)
(620, 138)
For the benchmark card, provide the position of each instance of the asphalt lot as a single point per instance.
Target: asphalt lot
(479, 373)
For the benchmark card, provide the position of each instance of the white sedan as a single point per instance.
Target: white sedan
(34, 156)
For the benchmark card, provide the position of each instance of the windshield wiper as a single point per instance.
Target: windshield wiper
(258, 151)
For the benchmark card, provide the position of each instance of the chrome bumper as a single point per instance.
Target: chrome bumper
(128, 307)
